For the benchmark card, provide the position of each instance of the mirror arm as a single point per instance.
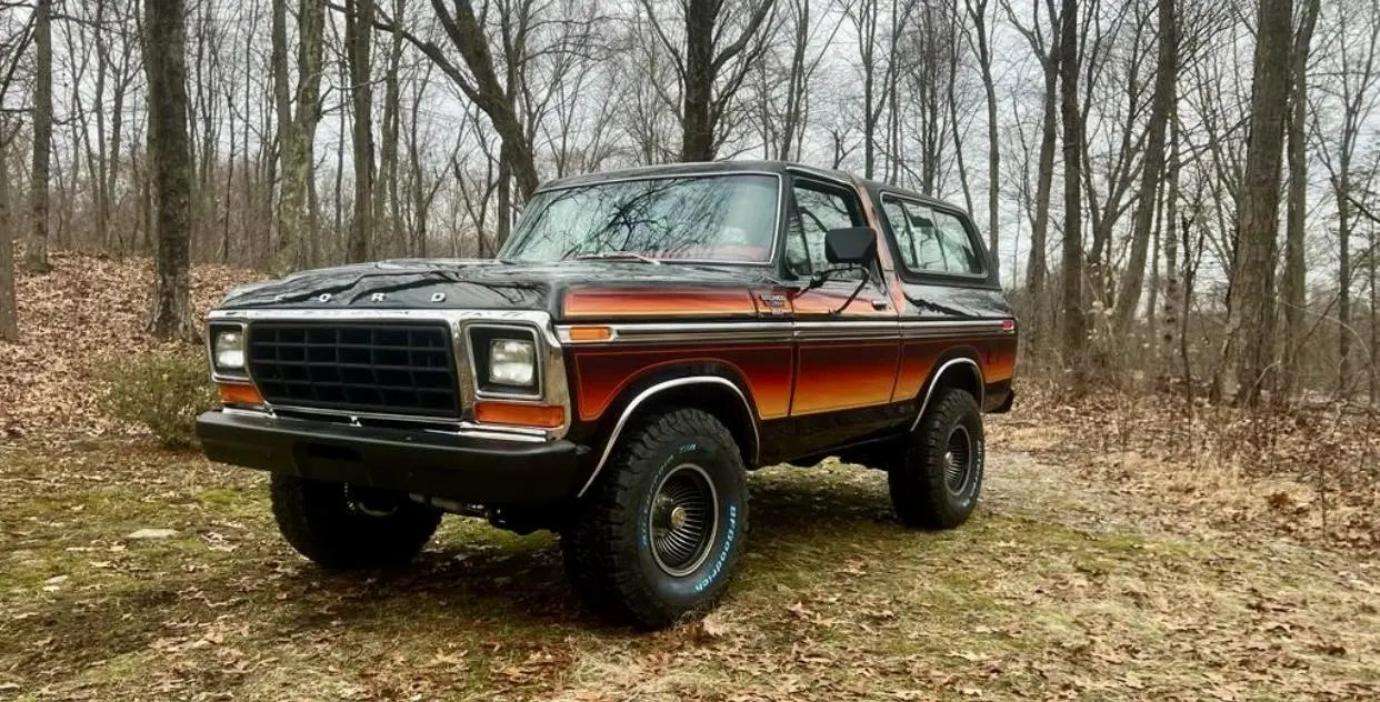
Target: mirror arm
(867, 278)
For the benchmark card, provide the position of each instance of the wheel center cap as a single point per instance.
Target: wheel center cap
(677, 517)
(949, 457)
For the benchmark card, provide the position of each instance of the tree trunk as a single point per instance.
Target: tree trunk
(9, 302)
(1074, 323)
(1170, 319)
(1257, 227)
(1343, 190)
(797, 83)
(358, 31)
(1374, 373)
(165, 64)
(1295, 266)
(299, 166)
(387, 215)
(286, 254)
(36, 253)
(977, 12)
(1037, 268)
(697, 142)
(1162, 104)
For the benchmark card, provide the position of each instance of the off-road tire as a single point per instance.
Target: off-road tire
(608, 545)
(921, 490)
(324, 523)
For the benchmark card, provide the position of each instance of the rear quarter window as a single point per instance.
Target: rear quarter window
(933, 241)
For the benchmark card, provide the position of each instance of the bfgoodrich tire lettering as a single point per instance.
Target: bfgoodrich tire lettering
(936, 484)
(339, 527)
(611, 546)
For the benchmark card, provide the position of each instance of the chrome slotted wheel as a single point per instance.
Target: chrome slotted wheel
(684, 519)
(958, 460)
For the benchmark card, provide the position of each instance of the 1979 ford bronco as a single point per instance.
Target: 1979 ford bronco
(643, 339)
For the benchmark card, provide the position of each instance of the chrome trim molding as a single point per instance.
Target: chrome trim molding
(947, 328)
(982, 386)
(642, 397)
(354, 417)
(654, 333)
(847, 331)
(555, 389)
(783, 332)
(451, 427)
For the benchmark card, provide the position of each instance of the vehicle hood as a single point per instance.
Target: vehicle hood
(452, 284)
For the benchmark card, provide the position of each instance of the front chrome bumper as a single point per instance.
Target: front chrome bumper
(468, 468)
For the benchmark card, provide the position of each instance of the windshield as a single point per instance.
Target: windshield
(725, 219)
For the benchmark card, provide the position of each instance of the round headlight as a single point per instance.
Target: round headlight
(229, 350)
(512, 362)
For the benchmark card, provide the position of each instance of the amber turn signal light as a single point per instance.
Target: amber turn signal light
(544, 416)
(586, 334)
(239, 394)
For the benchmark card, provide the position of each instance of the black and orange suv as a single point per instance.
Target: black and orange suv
(643, 339)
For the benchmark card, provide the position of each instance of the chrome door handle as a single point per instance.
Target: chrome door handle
(880, 304)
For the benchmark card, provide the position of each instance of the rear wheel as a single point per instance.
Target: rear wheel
(659, 535)
(936, 483)
(343, 526)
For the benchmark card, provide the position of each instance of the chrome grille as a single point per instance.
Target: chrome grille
(406, 369)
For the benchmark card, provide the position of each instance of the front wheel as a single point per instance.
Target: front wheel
(659, 535)
(341, 526)
(936, 483)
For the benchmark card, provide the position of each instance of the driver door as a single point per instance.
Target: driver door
(846, 357)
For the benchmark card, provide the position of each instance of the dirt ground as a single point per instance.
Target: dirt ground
(1063, 585)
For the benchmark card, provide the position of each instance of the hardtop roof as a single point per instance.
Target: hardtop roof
(712, 167)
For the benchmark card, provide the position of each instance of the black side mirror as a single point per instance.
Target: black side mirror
(850, 246)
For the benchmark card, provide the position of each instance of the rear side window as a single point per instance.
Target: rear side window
(818, 208)
(932, 241)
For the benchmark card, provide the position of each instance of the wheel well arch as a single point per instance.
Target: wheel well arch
(707, 388)
(957, 369)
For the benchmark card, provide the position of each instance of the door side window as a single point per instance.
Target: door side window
(818, 208)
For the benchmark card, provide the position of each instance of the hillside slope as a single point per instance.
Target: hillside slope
(87, 313)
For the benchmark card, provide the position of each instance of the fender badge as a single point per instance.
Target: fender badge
(378, 297)
(438, 297)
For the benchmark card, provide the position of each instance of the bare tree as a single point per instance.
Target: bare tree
(358, 31)
(9, 302)
(1046, 50)
(165, 41)
(976, 11)
(36, 253)
(1353, 89)
(15, 41)
(711, 64)
(1294, 284)
(1152, 166)
(1074, 322)
(297, 225)
(1257, 229)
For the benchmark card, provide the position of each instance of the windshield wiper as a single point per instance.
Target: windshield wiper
(617, 256)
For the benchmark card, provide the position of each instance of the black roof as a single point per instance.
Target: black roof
(710, 167)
